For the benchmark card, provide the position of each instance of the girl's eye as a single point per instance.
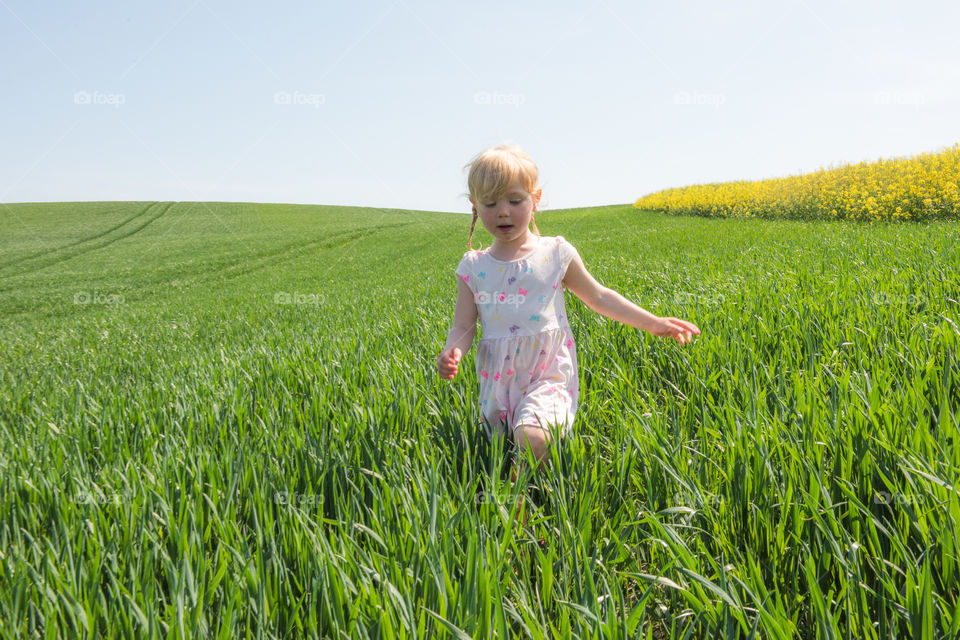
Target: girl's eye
(516, 201)
(490, 204)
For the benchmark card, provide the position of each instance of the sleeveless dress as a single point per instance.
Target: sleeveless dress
(527, 359)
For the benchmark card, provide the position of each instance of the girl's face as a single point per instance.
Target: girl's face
(508, 217)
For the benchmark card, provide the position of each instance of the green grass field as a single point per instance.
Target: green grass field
(224, 420)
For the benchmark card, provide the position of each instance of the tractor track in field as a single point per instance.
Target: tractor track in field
(246, 265)
(95, 236)
(57, 257)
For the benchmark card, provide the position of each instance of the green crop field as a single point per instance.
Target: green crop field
(224, 420)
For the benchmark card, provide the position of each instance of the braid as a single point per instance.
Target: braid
(534, 223)
(472, 225)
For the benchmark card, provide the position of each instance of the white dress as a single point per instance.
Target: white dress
(527, 358)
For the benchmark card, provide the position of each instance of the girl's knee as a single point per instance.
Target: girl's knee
(534, 436)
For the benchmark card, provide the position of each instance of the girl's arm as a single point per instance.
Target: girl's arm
(611, 304)
(461, 335)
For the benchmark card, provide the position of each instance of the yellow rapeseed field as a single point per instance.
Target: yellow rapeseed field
(921, 187)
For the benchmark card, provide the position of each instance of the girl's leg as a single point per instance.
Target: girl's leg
(537, 440)
(534, 437)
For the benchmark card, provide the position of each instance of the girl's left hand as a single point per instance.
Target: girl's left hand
(676, 328)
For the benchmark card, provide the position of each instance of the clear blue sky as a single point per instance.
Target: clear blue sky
(382, 103)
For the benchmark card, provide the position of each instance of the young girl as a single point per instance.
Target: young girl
(527, 359)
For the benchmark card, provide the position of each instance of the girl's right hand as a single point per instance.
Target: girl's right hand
(448, 361)
(680, 330)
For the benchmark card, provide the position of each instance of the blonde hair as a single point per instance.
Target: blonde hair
(493, 171)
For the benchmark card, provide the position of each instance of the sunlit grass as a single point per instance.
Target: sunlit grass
(228, 423)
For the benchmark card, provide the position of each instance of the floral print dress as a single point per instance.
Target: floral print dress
(526, 359)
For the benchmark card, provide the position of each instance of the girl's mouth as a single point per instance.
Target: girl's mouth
(504, 226)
